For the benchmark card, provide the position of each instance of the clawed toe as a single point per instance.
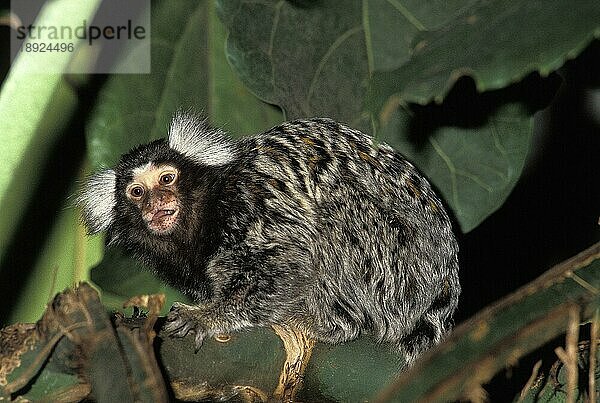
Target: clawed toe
(177, 328)
(183, 319)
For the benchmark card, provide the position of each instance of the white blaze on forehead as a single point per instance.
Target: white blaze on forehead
(141, 169)
(195, 139)
(97, 200)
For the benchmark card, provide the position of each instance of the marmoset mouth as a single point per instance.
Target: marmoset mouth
(163, 213)
(161, 220)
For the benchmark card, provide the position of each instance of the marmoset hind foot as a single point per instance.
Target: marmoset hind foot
(311, 223)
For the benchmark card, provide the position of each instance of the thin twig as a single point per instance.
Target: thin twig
(572, 350)
(569, 356)
(583, 283)
(593, 347)
(532, 379)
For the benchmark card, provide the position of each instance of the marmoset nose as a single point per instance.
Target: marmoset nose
(160, 196)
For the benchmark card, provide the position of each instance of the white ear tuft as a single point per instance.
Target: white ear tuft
(194, 138)
(97, 200)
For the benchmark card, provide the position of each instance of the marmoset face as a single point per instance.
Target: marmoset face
(154, 191)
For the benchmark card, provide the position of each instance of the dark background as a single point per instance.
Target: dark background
(553, 212)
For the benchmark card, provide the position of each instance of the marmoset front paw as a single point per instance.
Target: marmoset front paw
(184, 318)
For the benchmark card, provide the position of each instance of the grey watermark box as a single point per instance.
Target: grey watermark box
(81, 36)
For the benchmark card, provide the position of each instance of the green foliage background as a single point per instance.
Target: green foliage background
(383, 66)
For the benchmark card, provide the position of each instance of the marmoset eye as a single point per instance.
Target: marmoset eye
(136, 191)
(167, 179)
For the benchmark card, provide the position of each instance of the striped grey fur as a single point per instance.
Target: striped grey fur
(309, 224)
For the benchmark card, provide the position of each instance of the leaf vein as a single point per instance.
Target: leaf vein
(451, 169)
(368, 40)
(336, 44)
(475, 179)
(498, 145)
(272, 40)
(407, 14)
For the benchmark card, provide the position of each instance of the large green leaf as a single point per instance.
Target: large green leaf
(189, 70)
(34, 108)
(496, 43)
(475, 167)
(309, 60)
(232, 107)
(317, 58)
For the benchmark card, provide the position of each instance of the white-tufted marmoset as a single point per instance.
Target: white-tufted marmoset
(310, 225)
